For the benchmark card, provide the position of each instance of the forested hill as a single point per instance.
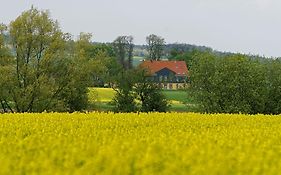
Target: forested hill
(183, 48)
(140, 50)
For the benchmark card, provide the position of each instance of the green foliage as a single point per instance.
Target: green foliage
(273, 100)
(152, 99)
(102, 64)
(75, 90)
(103, 69)
(232, 84)
(149, 94)
(6, 65)
(124, 100)
(100, 47)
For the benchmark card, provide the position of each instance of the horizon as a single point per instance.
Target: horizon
(238, 27)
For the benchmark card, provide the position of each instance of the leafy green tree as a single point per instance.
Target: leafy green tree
(112, 68)
(102, 64)
(149, 94)
(124, 100)
(232, 84)
(132, 86)
(240, 85)
(155, 46)
(202, 82)
(46, 75)
(75, 93)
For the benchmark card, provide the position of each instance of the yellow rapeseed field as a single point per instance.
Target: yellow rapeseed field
(155, 143)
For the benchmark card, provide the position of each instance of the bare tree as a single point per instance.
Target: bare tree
(123, 46)
(155, 46)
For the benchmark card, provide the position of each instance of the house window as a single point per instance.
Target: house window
(160, 78)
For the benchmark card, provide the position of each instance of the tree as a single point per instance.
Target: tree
(46, 75)
(231, 84)
(102, 67)
(123, 47)
(149, 94)
(124, 100)
(155, 46)
(79, 66)
(202, 82)
(102, 64)
(132, 86)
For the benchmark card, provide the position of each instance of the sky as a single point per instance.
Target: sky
(244, 26)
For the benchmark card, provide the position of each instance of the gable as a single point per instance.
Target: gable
(178, 67)
(165, 72)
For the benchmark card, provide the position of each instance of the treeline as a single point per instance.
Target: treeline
(171, 50)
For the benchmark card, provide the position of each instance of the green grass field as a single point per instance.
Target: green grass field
(154, 143)
(177, 95)
(101, 94)
(180, 100)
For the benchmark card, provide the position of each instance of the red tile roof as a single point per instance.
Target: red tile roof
(179, 67)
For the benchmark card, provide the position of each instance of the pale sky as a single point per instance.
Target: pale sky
(245, 26)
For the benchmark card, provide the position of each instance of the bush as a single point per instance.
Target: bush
(132, 86)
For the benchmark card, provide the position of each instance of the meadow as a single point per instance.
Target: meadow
(145, 143)
(180, 100)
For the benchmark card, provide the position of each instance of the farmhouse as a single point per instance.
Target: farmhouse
(169, 74)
